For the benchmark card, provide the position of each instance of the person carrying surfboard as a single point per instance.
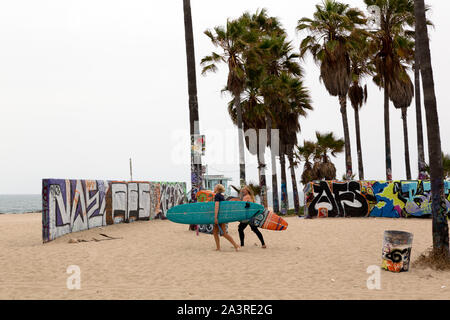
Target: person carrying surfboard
(219, 190)
(248, 196)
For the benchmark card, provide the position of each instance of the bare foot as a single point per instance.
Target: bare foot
(237, 248)
(217, 249)
(264, 246)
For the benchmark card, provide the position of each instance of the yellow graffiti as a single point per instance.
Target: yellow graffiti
(380, 204)
(388, 193)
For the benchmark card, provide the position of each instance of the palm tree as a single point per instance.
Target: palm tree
(275, 54)
(439, 208)
(253, 117)
(327, 144)
(401, 96)
(305, 153)
(395, 16)
(419, 126)
(360, 67)
(323, 168)
(446, 165)
(230, 40)
(196, 164)
(258, 28)
(329, 43)
(294, 101)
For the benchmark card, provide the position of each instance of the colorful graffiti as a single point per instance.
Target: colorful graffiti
(208, 196)
(76, 205)
(389, 199)
(396, 251)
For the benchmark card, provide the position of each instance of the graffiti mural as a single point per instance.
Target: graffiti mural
(171, 195)
(76, 205)
(396, 251)
(389, 199)
(336, 199)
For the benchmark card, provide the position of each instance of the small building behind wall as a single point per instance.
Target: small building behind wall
(210, 181)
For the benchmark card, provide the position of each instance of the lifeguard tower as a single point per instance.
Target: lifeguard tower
(210, 180)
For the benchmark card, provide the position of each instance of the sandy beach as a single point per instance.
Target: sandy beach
(313, 259)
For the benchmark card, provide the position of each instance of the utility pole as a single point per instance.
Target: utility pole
(131, 171)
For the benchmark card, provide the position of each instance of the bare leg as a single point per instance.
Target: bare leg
(228, 237)
(216, 236)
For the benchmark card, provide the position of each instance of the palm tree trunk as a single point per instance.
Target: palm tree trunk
(419, 126)
(439, 208)
(358, 144)
(275, 203)
(284, 195)
(387, 133)
(196, 163)
(406, 142)
(348, 151)
(237, 104)
(294, 182)
(262, 172)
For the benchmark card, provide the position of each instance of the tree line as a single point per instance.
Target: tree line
(266, 82)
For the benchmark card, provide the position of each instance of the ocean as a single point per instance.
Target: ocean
(20, 203)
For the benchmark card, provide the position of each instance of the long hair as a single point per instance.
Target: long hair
(220, 188)
(250, 192)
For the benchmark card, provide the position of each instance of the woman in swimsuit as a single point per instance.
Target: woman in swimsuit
(248, 196)
(218, 190)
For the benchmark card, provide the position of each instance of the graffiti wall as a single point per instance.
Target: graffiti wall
(76, 205)
(390, 199)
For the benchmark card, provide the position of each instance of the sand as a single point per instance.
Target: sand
(313, 259)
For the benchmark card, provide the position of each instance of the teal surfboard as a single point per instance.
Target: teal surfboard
(203, 212)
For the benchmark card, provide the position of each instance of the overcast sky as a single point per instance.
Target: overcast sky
(87, 84)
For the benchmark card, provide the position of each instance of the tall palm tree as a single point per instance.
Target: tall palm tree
(395, 17)
(439, 208)
(329, 43)
(360, 67)
(260, 27)
(419, 125)
(295, 101)
(196, 164)
(275, 54)
(230, 40)
(253, 117)
(401, 96)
